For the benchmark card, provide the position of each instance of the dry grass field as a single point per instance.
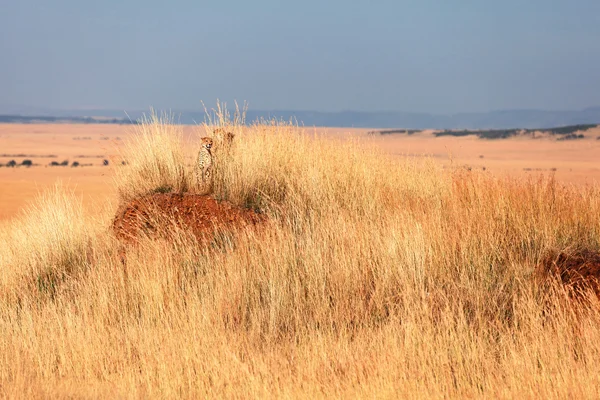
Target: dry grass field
(373, 275)
(86, 144)
(574, 161)
(569, 161)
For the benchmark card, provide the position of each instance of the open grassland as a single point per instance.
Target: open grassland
(573, 161)
(375, 277)
(47, 143)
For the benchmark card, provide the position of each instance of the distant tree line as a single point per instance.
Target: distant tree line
(65, 163)
(395, 131)
(567, 131)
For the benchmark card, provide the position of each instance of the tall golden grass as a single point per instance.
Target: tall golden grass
(376, 278)
(155, 159)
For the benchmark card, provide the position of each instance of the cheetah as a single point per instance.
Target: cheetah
(224, 138)
(204, 165)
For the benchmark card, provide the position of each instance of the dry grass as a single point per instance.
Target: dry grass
(155, 158)
(377, 278)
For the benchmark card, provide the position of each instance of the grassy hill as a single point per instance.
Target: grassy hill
(374, 278)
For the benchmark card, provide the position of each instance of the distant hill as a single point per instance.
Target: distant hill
(20, 119)
(506, 119)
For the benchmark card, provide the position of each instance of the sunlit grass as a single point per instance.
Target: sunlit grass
(154, 158)
(375, 278)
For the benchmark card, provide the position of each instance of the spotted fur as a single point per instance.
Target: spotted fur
(224, 139)
(204, 164)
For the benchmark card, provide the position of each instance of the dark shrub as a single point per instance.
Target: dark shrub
(75, 164)
(27, 163)
(64, 163)
(163, 189)
(54, 164)
(571, 136)
(104, 162)
(11, 163)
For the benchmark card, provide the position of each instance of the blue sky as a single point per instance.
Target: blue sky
(441, 56)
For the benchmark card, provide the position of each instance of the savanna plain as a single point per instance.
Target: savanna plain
(385, 266)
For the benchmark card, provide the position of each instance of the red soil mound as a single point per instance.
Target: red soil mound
(159, 213)
(578, 270)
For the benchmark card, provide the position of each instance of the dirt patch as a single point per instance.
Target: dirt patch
(161, 213)
(579, 270)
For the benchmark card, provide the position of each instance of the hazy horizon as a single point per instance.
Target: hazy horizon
(416, 57)
(10, 108)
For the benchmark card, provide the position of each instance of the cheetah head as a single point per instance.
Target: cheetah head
(224, 134)
(206, 142)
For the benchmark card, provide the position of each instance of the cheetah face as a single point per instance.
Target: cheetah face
(206, 142)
